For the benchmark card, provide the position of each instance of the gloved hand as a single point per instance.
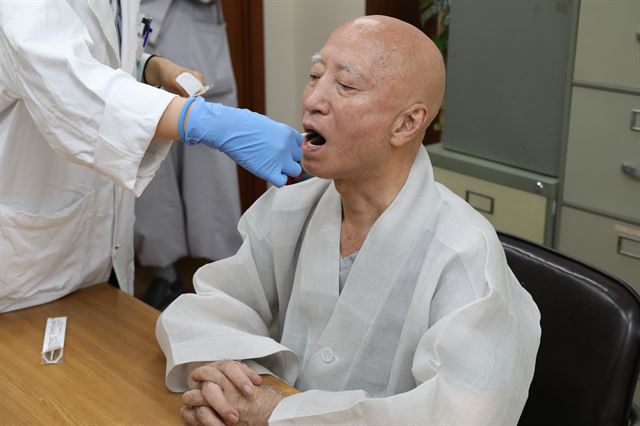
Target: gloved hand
(266, 148)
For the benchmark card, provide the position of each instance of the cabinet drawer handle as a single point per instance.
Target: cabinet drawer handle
(479, 202)
(635, 123)
(626, 247)
(632, 170)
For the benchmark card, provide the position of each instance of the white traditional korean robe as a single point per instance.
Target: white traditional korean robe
(432, 327)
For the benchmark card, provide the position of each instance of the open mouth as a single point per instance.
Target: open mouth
(315, 138)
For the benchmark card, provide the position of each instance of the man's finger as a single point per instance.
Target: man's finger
(253, 376)
(189, 415)
(210, 373)
(191, 367)
(194, 398)
(214, 397)
(238, 376)
(207, 417)
(192, 384)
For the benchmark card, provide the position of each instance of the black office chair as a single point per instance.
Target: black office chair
(587, 364)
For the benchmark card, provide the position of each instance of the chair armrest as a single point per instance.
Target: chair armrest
(278, 385)
(634, 415)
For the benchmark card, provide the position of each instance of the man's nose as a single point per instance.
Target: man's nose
(315, 98)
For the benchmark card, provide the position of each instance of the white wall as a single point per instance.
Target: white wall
(293, 31)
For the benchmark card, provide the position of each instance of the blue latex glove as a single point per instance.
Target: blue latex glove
(266, 148)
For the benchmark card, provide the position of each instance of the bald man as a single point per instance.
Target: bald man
(369, 294)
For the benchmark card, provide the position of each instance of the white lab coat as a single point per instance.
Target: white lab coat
(192, 206)
(71, 124)
(432, 327)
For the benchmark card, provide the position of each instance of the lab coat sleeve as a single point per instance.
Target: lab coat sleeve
(460, 376)
(92, 114)
(141, 63)
(229, 316)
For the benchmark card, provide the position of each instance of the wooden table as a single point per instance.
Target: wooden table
(113, 369)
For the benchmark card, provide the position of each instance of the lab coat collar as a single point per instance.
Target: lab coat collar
(131, 43)
(104, 14)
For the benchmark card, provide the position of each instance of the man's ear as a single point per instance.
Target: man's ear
(408, 124)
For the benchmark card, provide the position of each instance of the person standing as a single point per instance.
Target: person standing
(80, 137)
(192, 207)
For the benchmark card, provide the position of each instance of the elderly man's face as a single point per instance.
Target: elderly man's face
(349, 100)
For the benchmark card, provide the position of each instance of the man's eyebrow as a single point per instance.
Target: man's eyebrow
(345, 65)
(350, 68)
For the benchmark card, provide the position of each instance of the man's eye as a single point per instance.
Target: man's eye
(346, 87)
(313, 77)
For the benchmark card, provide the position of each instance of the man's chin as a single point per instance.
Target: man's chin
(314, 168)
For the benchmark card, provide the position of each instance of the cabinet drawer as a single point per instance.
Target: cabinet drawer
(601, 140)
(611, 245)
(510, 210)
(607, 50)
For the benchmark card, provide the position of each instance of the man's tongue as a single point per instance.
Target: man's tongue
(315, 138)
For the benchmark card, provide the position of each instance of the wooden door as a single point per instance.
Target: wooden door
(246, 43)
(408, 11)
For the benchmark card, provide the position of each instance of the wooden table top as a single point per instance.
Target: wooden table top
(113, 369)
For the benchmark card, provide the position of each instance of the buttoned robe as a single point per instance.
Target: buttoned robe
(432, 327)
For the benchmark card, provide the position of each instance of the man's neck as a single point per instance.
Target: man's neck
(364, 201)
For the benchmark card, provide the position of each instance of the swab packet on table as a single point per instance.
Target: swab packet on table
(53, 345)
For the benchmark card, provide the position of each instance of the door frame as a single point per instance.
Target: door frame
(245, 31)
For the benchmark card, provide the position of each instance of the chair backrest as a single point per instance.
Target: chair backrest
(587, 364)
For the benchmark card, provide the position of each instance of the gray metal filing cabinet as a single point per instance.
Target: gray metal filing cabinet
(599, 219)
(503, 194)
(575, 185)
(507, 80)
